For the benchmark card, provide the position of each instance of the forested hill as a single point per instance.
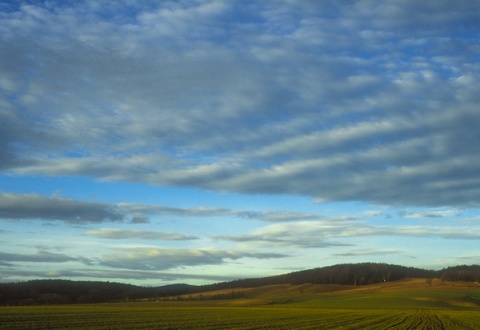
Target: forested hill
(46, 292)
(343, 274)
(356, 274)
(71, 292)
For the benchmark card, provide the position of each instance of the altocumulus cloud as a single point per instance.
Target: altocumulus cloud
(321, 234)
(269, 216)
(34, 207)
(366, 252)
(265, 98)
(116, 233)
(39, 257)
(54, 208)
(163, 259)
(359, 104)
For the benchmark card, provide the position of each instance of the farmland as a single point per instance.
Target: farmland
(149, 316)
(402, 305)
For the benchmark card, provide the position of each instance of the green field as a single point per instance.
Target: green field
(403, 305)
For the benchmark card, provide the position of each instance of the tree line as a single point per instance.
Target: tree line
(41, 292)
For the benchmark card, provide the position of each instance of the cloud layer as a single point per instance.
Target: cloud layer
(350, 101)
(15, 207)
(116, 233)
(279, 237)
(324, 131)
(163, 259)
(37, 207)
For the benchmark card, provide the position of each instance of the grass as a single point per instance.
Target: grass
(401, 305)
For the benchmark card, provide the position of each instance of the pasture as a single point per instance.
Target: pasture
(400, 305)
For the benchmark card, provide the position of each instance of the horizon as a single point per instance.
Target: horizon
(206, 141)
(254, 278)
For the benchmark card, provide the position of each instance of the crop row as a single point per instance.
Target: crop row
(164, 317)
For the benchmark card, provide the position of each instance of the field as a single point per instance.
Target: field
(411, 304)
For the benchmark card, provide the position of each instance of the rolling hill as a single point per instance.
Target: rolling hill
(349, 279)
(406, 293)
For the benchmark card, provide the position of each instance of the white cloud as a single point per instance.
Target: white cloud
(188, 95)
(433, 213)
(56, 208)
(358, 101)
(162, 259)
(322, 234)
(366, 252)
(117, 233)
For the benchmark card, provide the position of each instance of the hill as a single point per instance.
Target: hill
(406, 293)
(336, 278)
(342, 274)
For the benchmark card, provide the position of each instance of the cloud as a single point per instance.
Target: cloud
(357, 101)
(431, 214)
(114, 274)
(471, 259)
(277, 241)
(51, 208)
(322, 234)
(163, 259)
(366, 252)
(202, 211)
(303, 234)
(33, 206)
(41, 256)
(115, 233)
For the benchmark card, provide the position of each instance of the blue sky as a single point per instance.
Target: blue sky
(204, 141)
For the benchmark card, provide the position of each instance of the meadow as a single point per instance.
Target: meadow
(400, 305)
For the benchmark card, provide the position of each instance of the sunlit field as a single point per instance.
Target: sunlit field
(176, 316)
(405, 305)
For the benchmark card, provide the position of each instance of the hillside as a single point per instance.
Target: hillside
(333, 278)
(407, 293)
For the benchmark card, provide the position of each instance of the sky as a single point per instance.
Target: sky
(160, 142)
